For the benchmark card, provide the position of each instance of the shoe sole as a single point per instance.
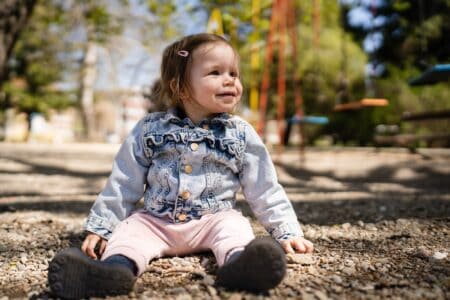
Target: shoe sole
(73, 275)
(260, 267)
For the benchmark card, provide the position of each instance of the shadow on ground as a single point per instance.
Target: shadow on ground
(377, 195)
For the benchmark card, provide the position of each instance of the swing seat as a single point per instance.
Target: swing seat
(317, 120)
(435, 74)
(366, 102)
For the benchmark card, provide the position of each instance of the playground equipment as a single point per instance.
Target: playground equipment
(280, 28)
(433, 75)
(365, 102)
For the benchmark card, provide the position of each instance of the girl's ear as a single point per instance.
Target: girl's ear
(173, 86)
(183, 94)
(178, 91)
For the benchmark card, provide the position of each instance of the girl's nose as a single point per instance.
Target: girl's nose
(229, 80)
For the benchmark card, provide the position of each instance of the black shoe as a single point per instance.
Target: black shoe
(260, 267)
(73, 275)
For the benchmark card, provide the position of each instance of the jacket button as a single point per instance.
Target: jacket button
(182, 217)
(185, 195)
(188, 169)
(194, 146)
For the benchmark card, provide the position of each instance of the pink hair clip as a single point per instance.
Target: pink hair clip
(183, 53)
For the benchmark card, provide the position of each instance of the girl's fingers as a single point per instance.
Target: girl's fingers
(89, 245)
(287, 247)
(90, 249)
(102, 246)
(299, 246)
(309, 246)
(85, 245)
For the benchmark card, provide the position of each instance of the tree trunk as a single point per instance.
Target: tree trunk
(14, 15)
(89, 75)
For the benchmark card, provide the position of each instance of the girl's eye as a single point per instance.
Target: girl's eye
(215, 72)
(234, 74)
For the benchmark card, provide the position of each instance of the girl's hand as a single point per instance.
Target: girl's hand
(297, 245)
(89, 244)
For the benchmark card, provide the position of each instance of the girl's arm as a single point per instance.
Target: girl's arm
(264, 194)
(125, 186)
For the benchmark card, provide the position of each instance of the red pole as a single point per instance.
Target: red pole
(265, 84)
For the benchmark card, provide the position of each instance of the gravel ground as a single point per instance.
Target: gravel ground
(379, 220)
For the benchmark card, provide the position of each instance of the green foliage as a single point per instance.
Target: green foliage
(98, 21)
(35, 66)
(320, 68)
(49, 50)
(42, 101)
(166, 12)
(44, 55)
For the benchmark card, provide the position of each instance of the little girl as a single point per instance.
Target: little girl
(188, 163)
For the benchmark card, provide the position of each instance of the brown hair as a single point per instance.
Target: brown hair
(175, 66)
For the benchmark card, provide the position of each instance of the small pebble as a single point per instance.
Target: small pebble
(302, 259)
(337, 279)
(349, 271)
(440, 255)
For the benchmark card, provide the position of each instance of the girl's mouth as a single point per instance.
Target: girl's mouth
(227, 94)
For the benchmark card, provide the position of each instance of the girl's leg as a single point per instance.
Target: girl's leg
(245, 262)
(72, 274)
(123, 261)
(139, 239)
(224, 233)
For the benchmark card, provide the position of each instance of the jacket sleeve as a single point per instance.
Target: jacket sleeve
(261, 189)
(124, 188)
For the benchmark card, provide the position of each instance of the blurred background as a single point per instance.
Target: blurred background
(316, 73)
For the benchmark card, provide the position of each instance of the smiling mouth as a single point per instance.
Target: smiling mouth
(230, 94)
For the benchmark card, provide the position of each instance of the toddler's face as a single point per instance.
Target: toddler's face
(215, 86)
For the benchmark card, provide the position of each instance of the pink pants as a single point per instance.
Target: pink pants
(142, 237)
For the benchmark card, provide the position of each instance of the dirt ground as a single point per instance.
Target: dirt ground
(379, 220)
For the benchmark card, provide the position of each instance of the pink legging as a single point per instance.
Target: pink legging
(142, 237)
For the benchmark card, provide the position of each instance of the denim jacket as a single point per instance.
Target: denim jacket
(185, 171)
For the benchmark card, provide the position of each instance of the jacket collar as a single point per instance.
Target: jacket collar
(177, 116)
